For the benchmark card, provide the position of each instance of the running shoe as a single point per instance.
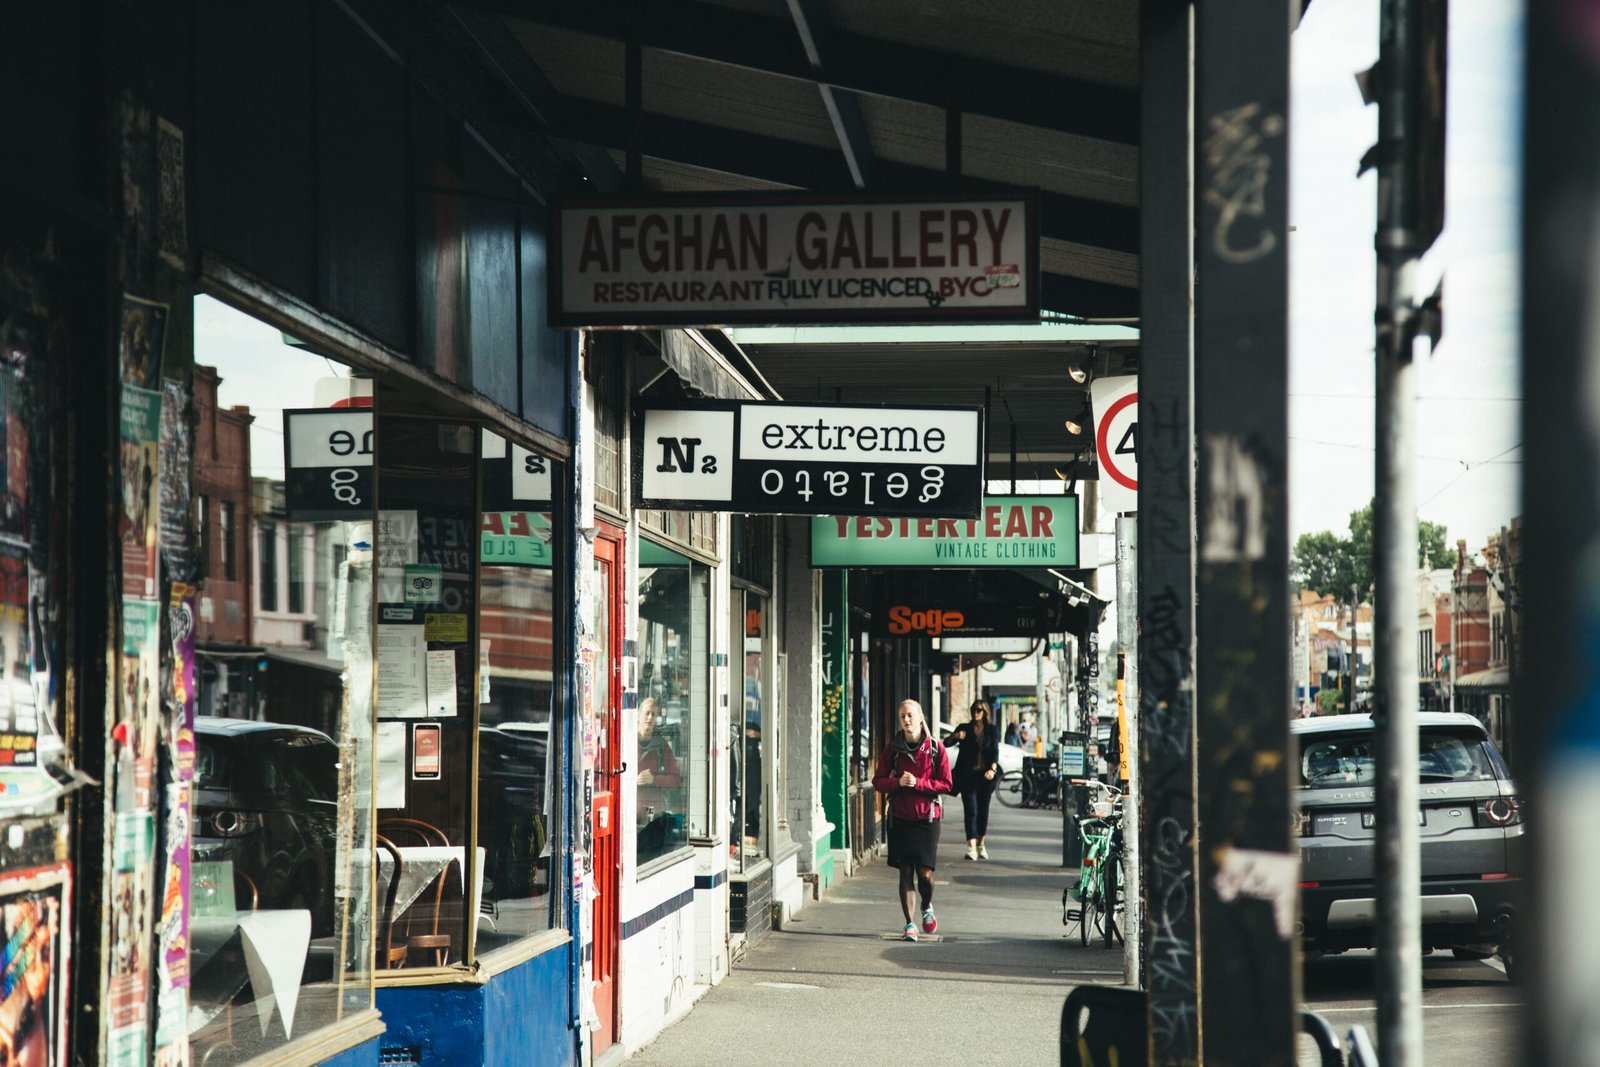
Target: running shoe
(930, 922)
(972, 853)
(983, 852)
(910, 933)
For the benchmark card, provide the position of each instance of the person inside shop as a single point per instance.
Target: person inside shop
(914, 771)
(659, 779)
(977, 767)
(1012, 737)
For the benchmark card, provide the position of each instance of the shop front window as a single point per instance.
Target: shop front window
(518, 738)
(670, 800)
(279, 858)
(750, 728)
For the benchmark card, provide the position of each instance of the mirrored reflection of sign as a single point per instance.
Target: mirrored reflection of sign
(809, 459)
(516, 539)
(513, 476)
(1010, 531)
(775, 258)
(327, 458)
(984, 646)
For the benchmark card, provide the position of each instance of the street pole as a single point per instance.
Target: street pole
(1350, 683)
(1455, 622)
(1402, 73)
(1127, 646)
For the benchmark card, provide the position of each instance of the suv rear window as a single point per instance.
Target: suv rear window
(1334, 760)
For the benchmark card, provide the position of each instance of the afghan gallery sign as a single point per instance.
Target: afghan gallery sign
(775, 259)
(808, 459)
(1011, 531)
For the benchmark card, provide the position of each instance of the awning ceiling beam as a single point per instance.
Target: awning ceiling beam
(843, 106)
(784, 162)
(856, 63)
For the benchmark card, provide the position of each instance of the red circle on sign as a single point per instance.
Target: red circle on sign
(1100, 432)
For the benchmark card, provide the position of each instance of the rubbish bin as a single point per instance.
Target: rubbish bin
(1074, 798)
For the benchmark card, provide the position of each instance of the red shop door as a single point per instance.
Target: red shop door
(607, 930)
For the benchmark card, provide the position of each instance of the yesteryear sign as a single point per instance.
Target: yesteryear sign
(1011, 531)
(775, 259)
(809, 459)
(328, 464)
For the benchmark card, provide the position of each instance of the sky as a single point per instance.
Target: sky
(1469, 432)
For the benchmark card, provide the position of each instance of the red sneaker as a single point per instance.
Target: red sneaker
(930, 921)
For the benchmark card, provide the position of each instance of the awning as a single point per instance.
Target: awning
(304, 657)
(695, 359)
(1496, 678)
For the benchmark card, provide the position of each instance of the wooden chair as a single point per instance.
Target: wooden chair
(428, 836)
(389, 955)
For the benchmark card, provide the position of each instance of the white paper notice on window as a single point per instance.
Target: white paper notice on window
(483, 670)
(441, 683)
(391, 785)
(396, 547)
(402, 678)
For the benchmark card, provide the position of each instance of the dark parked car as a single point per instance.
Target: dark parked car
(266, 800)
(1471, 845)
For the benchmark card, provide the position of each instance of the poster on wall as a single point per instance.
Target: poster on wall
(35, 915)
(179, 694)
(172, 935)
(141, 341)
(177, 505)
(131, 909)
(140, 459)
(19, 717)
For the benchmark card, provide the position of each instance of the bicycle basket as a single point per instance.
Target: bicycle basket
(1101, 809)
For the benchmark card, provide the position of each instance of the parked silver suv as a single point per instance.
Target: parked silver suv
(1472, 836)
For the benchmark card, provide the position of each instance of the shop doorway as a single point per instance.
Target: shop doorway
(607, 682)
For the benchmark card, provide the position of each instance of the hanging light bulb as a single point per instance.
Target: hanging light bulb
(1077, 374)
(1073, 428)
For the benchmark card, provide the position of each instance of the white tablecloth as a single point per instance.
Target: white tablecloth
(419, 865)
(275, 945)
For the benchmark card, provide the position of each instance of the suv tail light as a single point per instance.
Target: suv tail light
(231, 823)
(1498, 811)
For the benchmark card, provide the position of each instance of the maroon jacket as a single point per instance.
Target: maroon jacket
(930, 763)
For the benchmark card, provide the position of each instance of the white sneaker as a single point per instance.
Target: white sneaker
(972, 853)
(983, 853)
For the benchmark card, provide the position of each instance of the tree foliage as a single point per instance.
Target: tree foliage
(1330, 563)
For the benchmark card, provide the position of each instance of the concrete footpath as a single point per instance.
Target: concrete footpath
(833, 987)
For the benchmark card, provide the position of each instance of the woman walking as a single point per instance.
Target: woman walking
(914, 770)
(977, 767)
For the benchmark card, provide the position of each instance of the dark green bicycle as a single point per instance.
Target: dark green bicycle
(1099, 885)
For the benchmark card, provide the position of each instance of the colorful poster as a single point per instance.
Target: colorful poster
(35, 917)
(176, 446)
(172, 933)
(180, 692)
(140, 458)
(19, 719)
(131, 914)
(141, 342)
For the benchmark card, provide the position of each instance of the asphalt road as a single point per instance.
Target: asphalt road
(1470, 1013)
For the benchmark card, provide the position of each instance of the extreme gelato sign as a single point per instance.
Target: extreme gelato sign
(1011, 531)
(778, 260)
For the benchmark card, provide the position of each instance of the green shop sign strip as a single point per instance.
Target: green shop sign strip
(1013, 531)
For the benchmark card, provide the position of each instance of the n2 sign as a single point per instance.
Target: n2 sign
(1116, 441)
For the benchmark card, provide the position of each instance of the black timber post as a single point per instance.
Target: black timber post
(1249, 979)
(1557, 699)
(1166, 533)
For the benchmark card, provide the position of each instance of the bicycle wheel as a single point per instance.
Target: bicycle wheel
(1110, 874)
(1009, 791)
(1086, 915)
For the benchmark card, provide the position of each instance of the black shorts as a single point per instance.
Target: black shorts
(913, 844)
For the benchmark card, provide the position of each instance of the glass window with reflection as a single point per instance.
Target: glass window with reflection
(280, 861)
(518, 734)
(674, 600)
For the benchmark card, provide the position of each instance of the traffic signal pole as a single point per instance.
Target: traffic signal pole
(1409, 87)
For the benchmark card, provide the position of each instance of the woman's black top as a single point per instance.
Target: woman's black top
(976, 755)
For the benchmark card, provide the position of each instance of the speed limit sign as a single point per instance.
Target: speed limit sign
(1116, 441)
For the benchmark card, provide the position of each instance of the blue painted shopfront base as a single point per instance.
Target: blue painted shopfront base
(518, 1018)
(363, 1055)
